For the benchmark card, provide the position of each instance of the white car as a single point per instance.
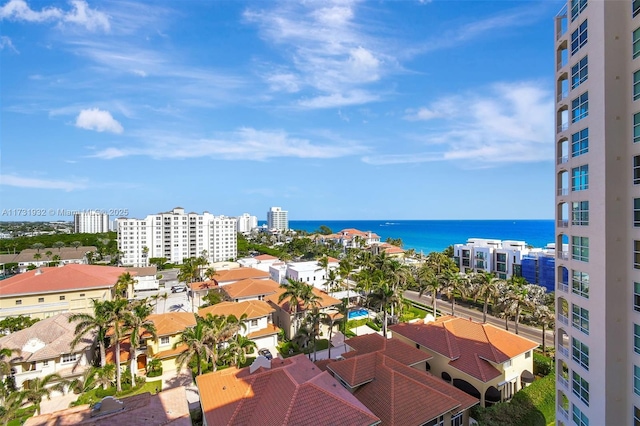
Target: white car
(178, 288)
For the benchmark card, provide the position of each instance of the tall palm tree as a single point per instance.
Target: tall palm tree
(329, 321)
(383, 297)
(10, 407)
(517, 298)
(125, 281)
(49, 253)
(455, 284)
(59, 245)
(105, 376)
(97, 323)
(210, 273)
(116, 311)
(5, 364)
(486, 287)
(238, 349)
(220, 330)
(39, 387)
(545, 318)
(137, 323)
(345, 267)
(294, 289)
(38, 247)
(37, 256)
(196, 340)
(56, 258)
(429, 282)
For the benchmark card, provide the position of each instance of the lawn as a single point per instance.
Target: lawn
(97, 394)
(413, 313)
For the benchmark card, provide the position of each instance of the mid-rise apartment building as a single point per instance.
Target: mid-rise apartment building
(177, 235)
(90, 222)
(278, 219)
(597, 52)
(247, 223)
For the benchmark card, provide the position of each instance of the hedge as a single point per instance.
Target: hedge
(542, 365)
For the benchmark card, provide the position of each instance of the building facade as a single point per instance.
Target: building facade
(247, 223)
(597, 53)
(90, 222)
(177, 235)
(278, 219)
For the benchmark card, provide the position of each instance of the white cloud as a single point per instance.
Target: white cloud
(5, 42)
(512, 122)
(242, 144)
(35, 183)
(98, 120)
(80, 14)
(354, 97)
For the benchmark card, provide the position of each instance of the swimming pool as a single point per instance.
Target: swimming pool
(358, 313)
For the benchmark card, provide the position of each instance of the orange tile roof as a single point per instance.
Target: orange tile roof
(393, 348)
(125, 348)
(58, 279)
(172, 322)
(265, 257)
(325, 300)
(168, 353)
(251, 308)
(268, 330)
(203, 285)
(292, 392)
(231, 275)
(470, 346)
(251, 287)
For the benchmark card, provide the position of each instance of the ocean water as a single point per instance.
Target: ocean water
(436, 235)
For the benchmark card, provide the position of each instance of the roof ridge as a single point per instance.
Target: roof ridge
(448, 335)
(491, 346)
(478, 361)
(287, 415)
(323, 390)
(251, 380)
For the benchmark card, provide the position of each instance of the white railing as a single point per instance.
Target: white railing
(562, 223)
(565, 321)
(564, 255)
(563, 61)
(564, 287)
(563, 412)
(563, 159)
(562, 127)
(563, 381)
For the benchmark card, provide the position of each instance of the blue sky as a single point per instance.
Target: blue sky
(330, 109)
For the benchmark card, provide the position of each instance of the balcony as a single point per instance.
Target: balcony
(564, 320)
(562, 223)
(563, 191)
(563, 287)
(562, 95)
(562, 127)
(562, 24)
(564, 255)
(563, 159)
(563, 412)
(563, 380)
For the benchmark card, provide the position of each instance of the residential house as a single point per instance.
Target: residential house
(389, 249)
(45, 348)
(146, 278)
(291, 391)
(49, 291)
(251, 289)
(261, 262)
(481, 359)
(39, 258)
(223, 278)
(256, 316)
(389, 377)
(166, 408)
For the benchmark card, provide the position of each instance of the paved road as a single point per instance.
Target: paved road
(532, 333)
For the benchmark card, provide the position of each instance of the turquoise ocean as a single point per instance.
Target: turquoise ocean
(436, 235)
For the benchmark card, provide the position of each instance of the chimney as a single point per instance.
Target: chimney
(38, 271)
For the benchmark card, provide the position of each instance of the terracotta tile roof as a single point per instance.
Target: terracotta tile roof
(251, 308)
(143, 271)
(172, 322)
(292, 392)
(52, 337)
(63, 278)
(125, 348)
(203, 285)
(325, 300)
(227, 276)
(469, 345)
(263, 257)
(65, 253)
(168, 407)
(323, 363)
(269, 329)
(251, 287)
(393, 348)
(170, 352)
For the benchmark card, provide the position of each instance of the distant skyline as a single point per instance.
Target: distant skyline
(332, 110)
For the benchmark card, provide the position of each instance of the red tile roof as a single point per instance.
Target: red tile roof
(60, 279)
(393, 348)
(470, 346)
(171, 323)
(225, 276)
(251, 308)
(250, 288)
(263, 257)
(325, 300)
(292, 392)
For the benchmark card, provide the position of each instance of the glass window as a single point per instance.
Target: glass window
(580, 178)
(456, 420)
(580, 353)
(636, 127)
(580, 248)
(636, 416)
(40, 299)
(636, 85)
(62, 297)
(580, 142)
(164, 340)
(636, 254)
(579, 37)
(580, 107)
(18, 302)
(636, 379)
(636, 338)
(636, 297)
(580, 318)
(579, 72)
(69, 357)
(636, 170)
(580, 387)
(579, 417)
(636, 212)
(580, 213)
(635, 7)
(580, 283)
(636, 43)
(577, 6)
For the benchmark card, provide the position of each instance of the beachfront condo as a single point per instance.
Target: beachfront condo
(597, 110)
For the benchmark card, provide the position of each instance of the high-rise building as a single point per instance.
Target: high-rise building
(278, 219)
(90, 222)
(246, 223)
(597, 54)
(177, 235)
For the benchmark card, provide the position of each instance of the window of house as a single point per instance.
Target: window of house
(580, 248)
(579, 418)
(580, 318)
(580, 107)
(18, 302)
(636, 379)
(579, 37)
(636, 43)
(636, 127)
(62, 297)
(456, 420)
(507, 364)
(580, 213)
(579, 72)
(636, 338)
(69, 357)
(636, 85)
(527, 355)
(81, 294)
(580, 178)
(636, 297)
(580, 283)
(580, 387)
(40, 299)
(636, 254)
(45, 363)
(164, 340)
(254, 323)
(580, 142)
(580, 353)
(577, 6)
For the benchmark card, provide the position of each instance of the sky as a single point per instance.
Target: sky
(330, 109)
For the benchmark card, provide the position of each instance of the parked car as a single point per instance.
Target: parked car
(265, 353)
(178, 288)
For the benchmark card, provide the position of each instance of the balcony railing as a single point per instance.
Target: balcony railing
(562, 223)
(562, 95)
(562, 380)
(563, 412)
(564, 255)
(562, 62)
(563, 320)
(563, 159)
(563, 287)
(562, 127)
(563, 191)
(561, 22)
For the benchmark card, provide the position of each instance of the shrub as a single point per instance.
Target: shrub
(101, 393)
(373, 325)
(542, 365)
(154, 373)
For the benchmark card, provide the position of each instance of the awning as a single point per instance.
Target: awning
(527, 377)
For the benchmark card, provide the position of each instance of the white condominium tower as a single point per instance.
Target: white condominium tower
(597, 53)
(278, 219)
(90, 222)
(246, 223)
(177, 235)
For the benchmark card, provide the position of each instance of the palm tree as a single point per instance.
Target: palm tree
(455, 283)
(104, 376)
(10, 407)
(328, 320)
(428, 281)
(220, 330)
(196, 341)
(517, 297)
(97, 323)
(39, 387)
(238, 349)
(58, 245)
(49, 253)
(116, 310)
(294, 291)
(37, 256)
(76, 244)
(546, 319)
(210, 273)
(383, 297)
(56, 258)
(38, 247)
(136, 322)
(84, 383)
(332, 280)
(125, 281)
(487, 288)
(5, 364)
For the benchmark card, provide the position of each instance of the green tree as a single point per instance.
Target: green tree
(195, 339)
(97, 323)
(545, 318)
(293, 293)
(123, 284)
(39, 387)
(105, 376)
(383, 297)
(56, 259)
(429, 282)
(324, 230)
(137, 323)
(5, 364)
(116, 310)
(38, 247)
(76, 244)
(48, 253)
(59, 245)
(210, 273)
(485, 287)
(455, 284)
(238, 349)
(10, 407)
(37, 256)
